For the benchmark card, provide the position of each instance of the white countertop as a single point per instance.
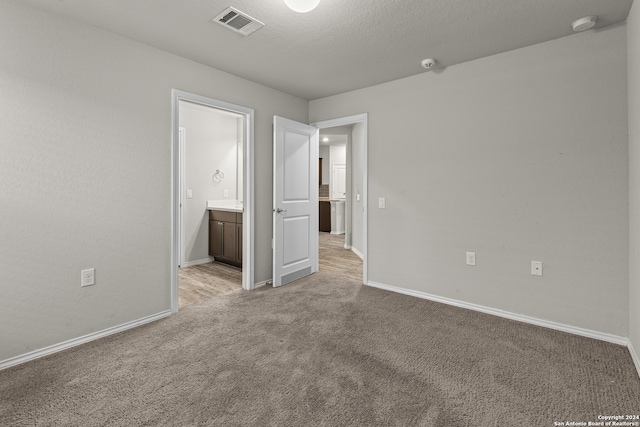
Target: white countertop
(225, 205)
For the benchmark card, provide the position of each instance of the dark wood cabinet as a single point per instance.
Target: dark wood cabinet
(325, 216)
(239, 245)
(225, 237)
(215, 238)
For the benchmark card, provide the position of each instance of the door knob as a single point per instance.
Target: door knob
(280, 210)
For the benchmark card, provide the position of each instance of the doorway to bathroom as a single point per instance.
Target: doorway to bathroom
(212, 198)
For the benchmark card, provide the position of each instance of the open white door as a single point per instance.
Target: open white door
(295, 200)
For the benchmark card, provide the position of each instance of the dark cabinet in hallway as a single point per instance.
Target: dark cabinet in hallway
(324, 214)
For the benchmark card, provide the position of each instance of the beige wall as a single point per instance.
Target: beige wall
(633, 40)
(520, 156)
(85, 174)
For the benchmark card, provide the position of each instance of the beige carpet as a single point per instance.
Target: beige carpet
(324, 351)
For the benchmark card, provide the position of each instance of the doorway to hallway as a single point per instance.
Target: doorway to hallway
(343, 195)
(336, 260)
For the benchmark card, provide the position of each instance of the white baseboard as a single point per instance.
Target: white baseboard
(357, 252)
(81, 340)
(197, 262)
(615, 339)
(261, 284)
(634, 356)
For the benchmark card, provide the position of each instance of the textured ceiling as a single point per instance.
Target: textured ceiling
(341, 45)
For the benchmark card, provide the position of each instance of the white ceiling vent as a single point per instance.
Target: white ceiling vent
(238, 21)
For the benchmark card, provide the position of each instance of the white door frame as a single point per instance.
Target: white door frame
(182, 199)
(248, 220)
(350, 120)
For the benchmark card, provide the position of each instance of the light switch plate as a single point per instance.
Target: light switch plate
(382, 203)
(189, 194)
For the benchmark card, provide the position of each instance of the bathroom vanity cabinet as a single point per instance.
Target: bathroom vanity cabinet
(225, 237)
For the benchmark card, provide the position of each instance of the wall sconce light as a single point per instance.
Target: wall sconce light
(302, 6)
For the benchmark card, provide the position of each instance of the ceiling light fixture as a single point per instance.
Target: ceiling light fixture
(302, 6)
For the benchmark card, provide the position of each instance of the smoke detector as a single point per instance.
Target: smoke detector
(238, 21)
(584, 24)
(428, 63)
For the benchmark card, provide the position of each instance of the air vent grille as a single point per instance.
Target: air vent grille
(228, 16)
(238, 21)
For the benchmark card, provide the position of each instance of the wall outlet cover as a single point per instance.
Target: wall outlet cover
(88, 277)
(536, 268)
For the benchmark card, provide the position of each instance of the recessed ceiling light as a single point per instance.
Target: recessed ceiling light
(325, 139)
(584, 24)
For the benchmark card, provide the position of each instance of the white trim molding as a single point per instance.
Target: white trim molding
(263, 283)
(357, 252)
(615, 339)
(81, 340)
(197, 262)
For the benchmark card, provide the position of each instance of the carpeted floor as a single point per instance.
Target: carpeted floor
(324, 351)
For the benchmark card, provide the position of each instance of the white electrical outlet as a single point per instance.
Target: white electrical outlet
(536, 268)
(382, 203)
(471, 258)
(88, 277)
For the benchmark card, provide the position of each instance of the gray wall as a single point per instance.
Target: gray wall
(323, 153)
(211, 143)
(85, 174)
(520, 156)
(633, 39)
